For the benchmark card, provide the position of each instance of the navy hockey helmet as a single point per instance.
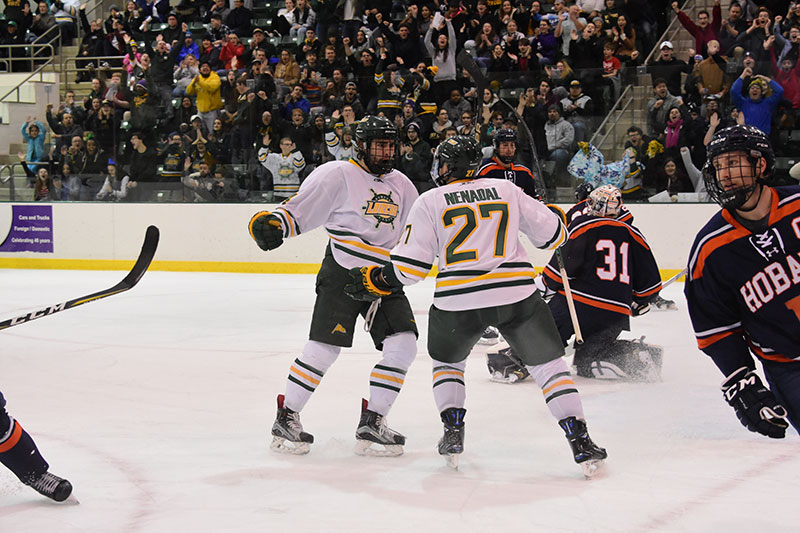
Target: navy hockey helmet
(461, 154)
(371, 128)
(504, 135)
(754, 145)
(582, 191)
(605, 201)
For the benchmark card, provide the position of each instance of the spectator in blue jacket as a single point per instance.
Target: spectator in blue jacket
(189, 47)
(757, 106)
(33, 134)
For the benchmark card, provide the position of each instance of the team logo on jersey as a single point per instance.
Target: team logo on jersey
(382, 207)
(769, 244)
(339, 329)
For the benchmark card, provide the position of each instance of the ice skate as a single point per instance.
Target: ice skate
(374, 437)
(288, 434)
(490, 337)
(662, 304)
(586, 453)
(51, 486)
(451, 445)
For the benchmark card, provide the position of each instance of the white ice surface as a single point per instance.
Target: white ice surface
(157, 405)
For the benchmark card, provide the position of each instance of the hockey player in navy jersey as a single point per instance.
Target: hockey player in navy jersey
(19, 454)
(743, 282)
(613, 275)
(363, 205)
(485, 278)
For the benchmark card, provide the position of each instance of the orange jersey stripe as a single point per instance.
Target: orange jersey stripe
(600, 305)
(771, 357)
(708, 341)
(654, 290)
(558, 384)
(608, 222)
(13, 439)
(386, 377)
(303, 375)
(709, 247)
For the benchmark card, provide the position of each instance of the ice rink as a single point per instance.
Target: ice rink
(156, 404)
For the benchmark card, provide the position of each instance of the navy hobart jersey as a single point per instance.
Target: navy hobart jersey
(743, 288)
(519, 175)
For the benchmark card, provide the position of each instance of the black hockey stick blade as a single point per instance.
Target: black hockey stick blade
(128, 282)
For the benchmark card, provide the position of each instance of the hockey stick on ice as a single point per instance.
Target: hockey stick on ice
(133, 277)
(468, 63)
(674, 278)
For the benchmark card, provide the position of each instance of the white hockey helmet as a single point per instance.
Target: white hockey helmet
(605, 201)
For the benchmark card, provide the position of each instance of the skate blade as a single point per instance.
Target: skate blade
(374, 449)
(665, 307)
(591, 467)
(281, 445)
(488, 342)
(452, 460)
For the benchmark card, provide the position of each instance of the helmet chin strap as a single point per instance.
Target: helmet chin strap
(758, 183)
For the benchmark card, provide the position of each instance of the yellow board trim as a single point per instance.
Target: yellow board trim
(239, 267)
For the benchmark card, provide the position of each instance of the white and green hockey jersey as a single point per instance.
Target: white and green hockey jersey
(473, 227)
(363, 214)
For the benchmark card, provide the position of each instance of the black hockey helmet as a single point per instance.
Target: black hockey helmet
(462, 154)
(373, 128)
(582, 191)
(755, 144)
(504, 135)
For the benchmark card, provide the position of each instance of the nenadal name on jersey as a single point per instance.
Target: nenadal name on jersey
(471, 195)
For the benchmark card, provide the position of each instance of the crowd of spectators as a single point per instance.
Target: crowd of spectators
(230, 101)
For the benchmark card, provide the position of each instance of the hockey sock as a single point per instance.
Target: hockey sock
(18, 452)
(306, 373)
(559, 390)
(387, 377)
(448, 384)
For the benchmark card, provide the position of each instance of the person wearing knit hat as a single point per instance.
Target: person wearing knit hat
(763, 96)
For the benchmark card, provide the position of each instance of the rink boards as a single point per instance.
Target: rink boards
(214, 238)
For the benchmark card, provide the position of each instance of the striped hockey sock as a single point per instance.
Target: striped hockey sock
(387, 377)
(306, 373)
(448, 385)
(19, 453)
(560, 393)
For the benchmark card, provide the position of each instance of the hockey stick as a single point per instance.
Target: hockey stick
(674, 278)
(468, 63)
(128, 282)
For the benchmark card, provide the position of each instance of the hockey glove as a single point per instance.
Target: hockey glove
(638, 309)
(265, 228)
(367, 284)
(755, 405)
(505, 367)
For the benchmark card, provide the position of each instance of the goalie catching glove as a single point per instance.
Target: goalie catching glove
(368, 284)
(265, 228)
(505, 367)
(755, 405)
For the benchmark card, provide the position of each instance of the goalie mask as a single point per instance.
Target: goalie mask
(375, 139)
(457, 158)
(505, 135)
(605, 201)
(740, 158)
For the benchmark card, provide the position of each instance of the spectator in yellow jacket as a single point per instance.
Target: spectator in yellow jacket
(206, 87)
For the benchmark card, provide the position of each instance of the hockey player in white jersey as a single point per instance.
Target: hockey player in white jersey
(363, 205)
(485, 278)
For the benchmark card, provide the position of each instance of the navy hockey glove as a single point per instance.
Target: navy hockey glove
(367, 284)
(755, 405)
(265, 228)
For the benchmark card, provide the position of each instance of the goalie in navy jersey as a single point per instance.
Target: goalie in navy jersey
(363, 205)
(485, 278)
(613, 275)
(743, 282)
(19, 454)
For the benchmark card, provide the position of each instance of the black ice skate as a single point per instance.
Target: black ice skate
(490, 337)
(52, 486)
(287, 431)
(586, 453)
(451, 445)
(662, 304)
(374, 437)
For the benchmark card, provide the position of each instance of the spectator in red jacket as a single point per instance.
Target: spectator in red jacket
(706, 29)
(232, 52)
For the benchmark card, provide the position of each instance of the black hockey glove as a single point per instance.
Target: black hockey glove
(367, 284)
(265, 228)
(505, 367)
(638, 309)
(755, 405)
